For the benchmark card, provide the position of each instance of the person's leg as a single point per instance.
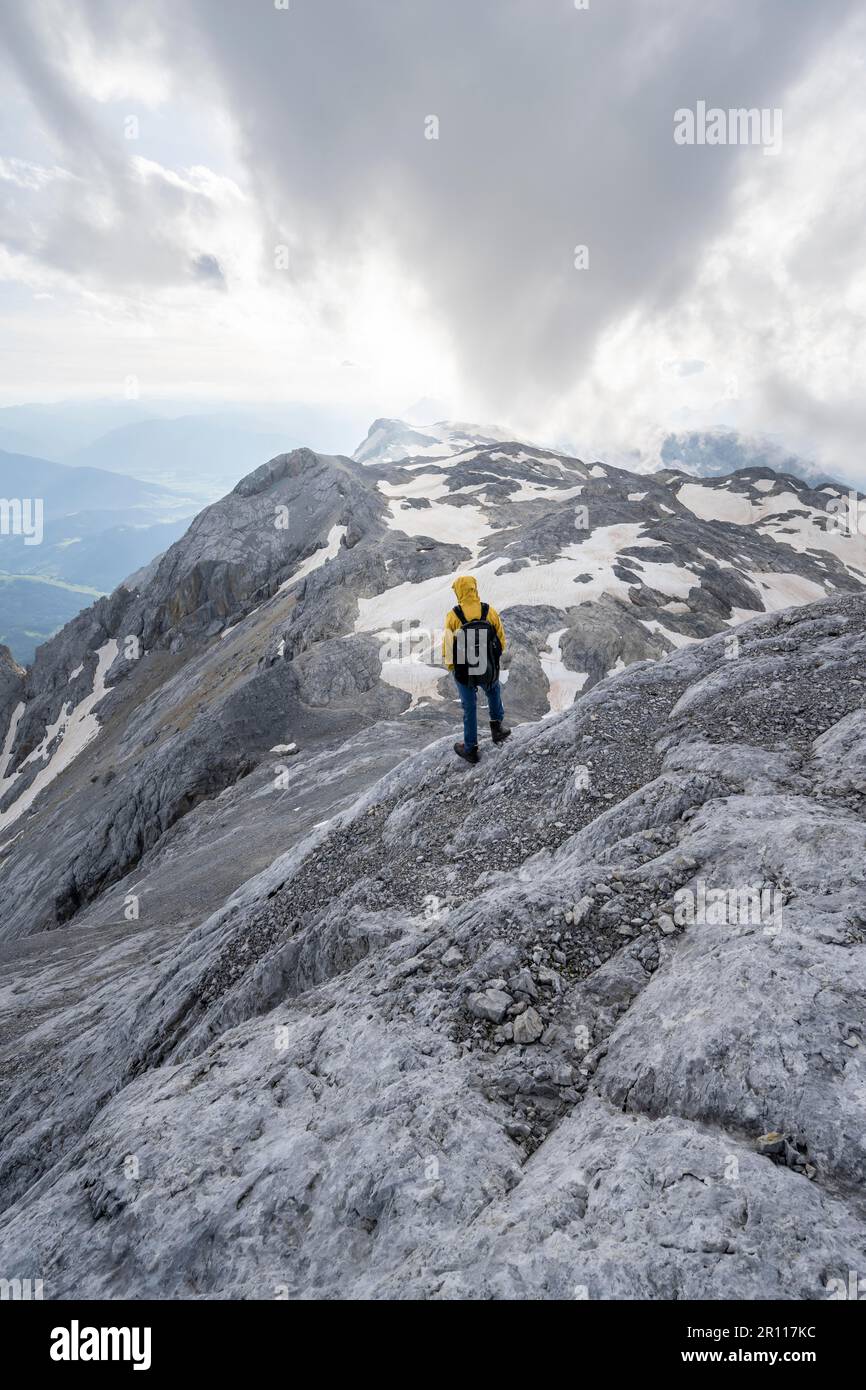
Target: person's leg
(494, 703)
(470, 714)
(498, 731)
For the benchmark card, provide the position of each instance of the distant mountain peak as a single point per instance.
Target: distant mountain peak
(391, 441)
(714, 452)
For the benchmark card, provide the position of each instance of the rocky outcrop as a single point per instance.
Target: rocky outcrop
(11, 685)
(237, 552)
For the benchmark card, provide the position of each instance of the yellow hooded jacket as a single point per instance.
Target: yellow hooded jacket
(466, 590)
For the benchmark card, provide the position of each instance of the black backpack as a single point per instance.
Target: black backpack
(477, 650)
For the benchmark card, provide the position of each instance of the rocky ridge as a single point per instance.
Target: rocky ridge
(305, 606)
(459, 1041)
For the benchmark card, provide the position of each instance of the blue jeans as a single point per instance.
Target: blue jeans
(470, 709)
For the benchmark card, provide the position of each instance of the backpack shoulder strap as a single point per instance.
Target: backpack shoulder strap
(458, 613)
(485, 608)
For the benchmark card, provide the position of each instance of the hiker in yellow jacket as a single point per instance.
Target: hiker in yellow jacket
(473, 641)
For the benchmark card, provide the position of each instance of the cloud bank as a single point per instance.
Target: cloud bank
(266, 194)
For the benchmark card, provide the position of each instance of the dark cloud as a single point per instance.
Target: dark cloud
(206, 267)
(555, 128)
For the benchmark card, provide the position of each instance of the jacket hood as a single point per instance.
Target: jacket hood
(466, 589)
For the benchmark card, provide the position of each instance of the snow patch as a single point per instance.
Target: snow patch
(712, 504)
(564, 685)
(784, 590)
(6, 755)
(677, 639)
(531, 492)
(75, 727)
(546, 583)
(317, 559)
(429, 485)
(448, 523)
(417, 678)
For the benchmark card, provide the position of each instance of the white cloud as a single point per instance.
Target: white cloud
(31, 176)
(723, 288)
(775, 307)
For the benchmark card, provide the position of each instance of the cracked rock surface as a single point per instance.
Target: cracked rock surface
(463, 1040)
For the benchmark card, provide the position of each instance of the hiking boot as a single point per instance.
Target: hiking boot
(498, 732)
(470, 754)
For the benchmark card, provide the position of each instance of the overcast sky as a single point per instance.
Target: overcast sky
(238, 201)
